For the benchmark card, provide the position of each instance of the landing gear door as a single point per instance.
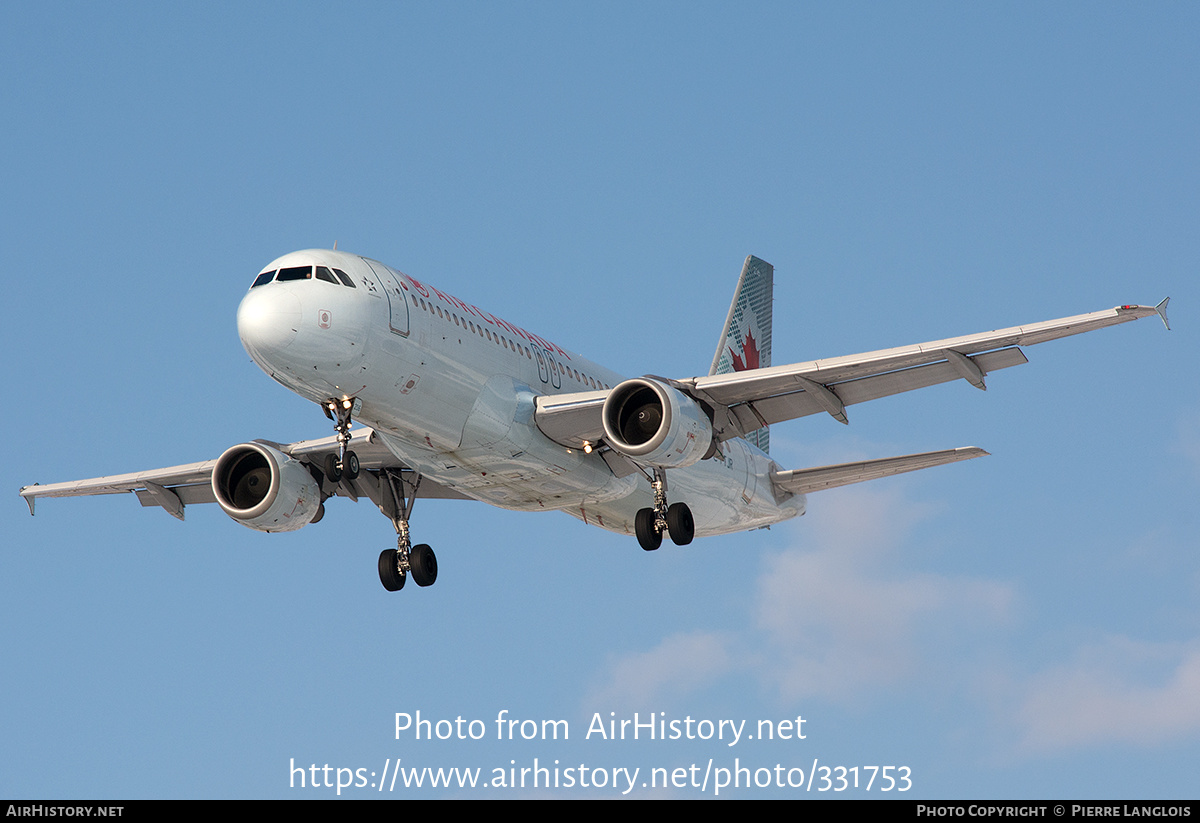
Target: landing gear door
(397, 301)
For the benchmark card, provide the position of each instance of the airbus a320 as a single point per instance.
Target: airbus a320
(460, 403)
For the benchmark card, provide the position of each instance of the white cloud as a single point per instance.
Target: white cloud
(841, 617)
(680, 663)
(829, 621)
(838, 623)
(1104, 695)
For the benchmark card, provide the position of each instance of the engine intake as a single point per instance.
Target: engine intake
(265, 489)
(656, 424)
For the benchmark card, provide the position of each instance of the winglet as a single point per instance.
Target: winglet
(1161, 308)
(30, 499)
(1144, 311)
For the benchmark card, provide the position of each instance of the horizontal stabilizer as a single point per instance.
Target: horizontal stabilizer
(803, 481)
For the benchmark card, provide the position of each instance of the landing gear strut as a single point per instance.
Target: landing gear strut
(395, 565)
(676, 519)
(345, 463)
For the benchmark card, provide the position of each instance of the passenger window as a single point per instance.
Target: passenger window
(265, 277)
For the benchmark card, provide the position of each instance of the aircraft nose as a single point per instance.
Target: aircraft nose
(267, 319)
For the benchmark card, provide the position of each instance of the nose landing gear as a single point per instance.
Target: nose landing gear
(345, 463)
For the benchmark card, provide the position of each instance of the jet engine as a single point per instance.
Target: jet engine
(265, 489)
(656, 424)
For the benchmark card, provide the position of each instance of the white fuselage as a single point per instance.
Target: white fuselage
(450, 390)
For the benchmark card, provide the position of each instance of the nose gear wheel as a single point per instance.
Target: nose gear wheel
(341, 412)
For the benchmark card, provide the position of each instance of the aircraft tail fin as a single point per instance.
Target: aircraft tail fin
(746, 341)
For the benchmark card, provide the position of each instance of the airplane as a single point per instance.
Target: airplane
(459, 403)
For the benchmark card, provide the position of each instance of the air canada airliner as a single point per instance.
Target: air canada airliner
(457, 402)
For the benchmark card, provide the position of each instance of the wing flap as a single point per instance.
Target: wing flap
(199, 493)
(750, 416)
(885, 385)
(571, 419)
(805, 481)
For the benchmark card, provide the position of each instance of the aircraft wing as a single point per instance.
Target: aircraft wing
(747, 400)
(176, 487)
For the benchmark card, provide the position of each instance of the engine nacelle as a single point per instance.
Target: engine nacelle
(265, 489)
(656, 424)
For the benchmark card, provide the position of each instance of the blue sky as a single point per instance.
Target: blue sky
(1025, 625)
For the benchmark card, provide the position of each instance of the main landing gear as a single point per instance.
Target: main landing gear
(676, 519)
(345, 462)
(395, 496)
(419, 561)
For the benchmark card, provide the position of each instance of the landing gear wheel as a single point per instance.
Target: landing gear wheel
(680, 524)
(389, 571)
(333, 469)
(649, 537)
(423, 564)
(350, 465)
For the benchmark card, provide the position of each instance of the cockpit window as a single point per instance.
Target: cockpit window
(305, 273)
(295, 273)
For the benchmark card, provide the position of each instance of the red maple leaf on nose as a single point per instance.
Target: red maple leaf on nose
(750, 349)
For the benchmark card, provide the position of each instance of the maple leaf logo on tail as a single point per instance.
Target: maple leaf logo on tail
(748, 329)
(750, 349)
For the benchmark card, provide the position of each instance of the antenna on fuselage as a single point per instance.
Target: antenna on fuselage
(335, 245)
